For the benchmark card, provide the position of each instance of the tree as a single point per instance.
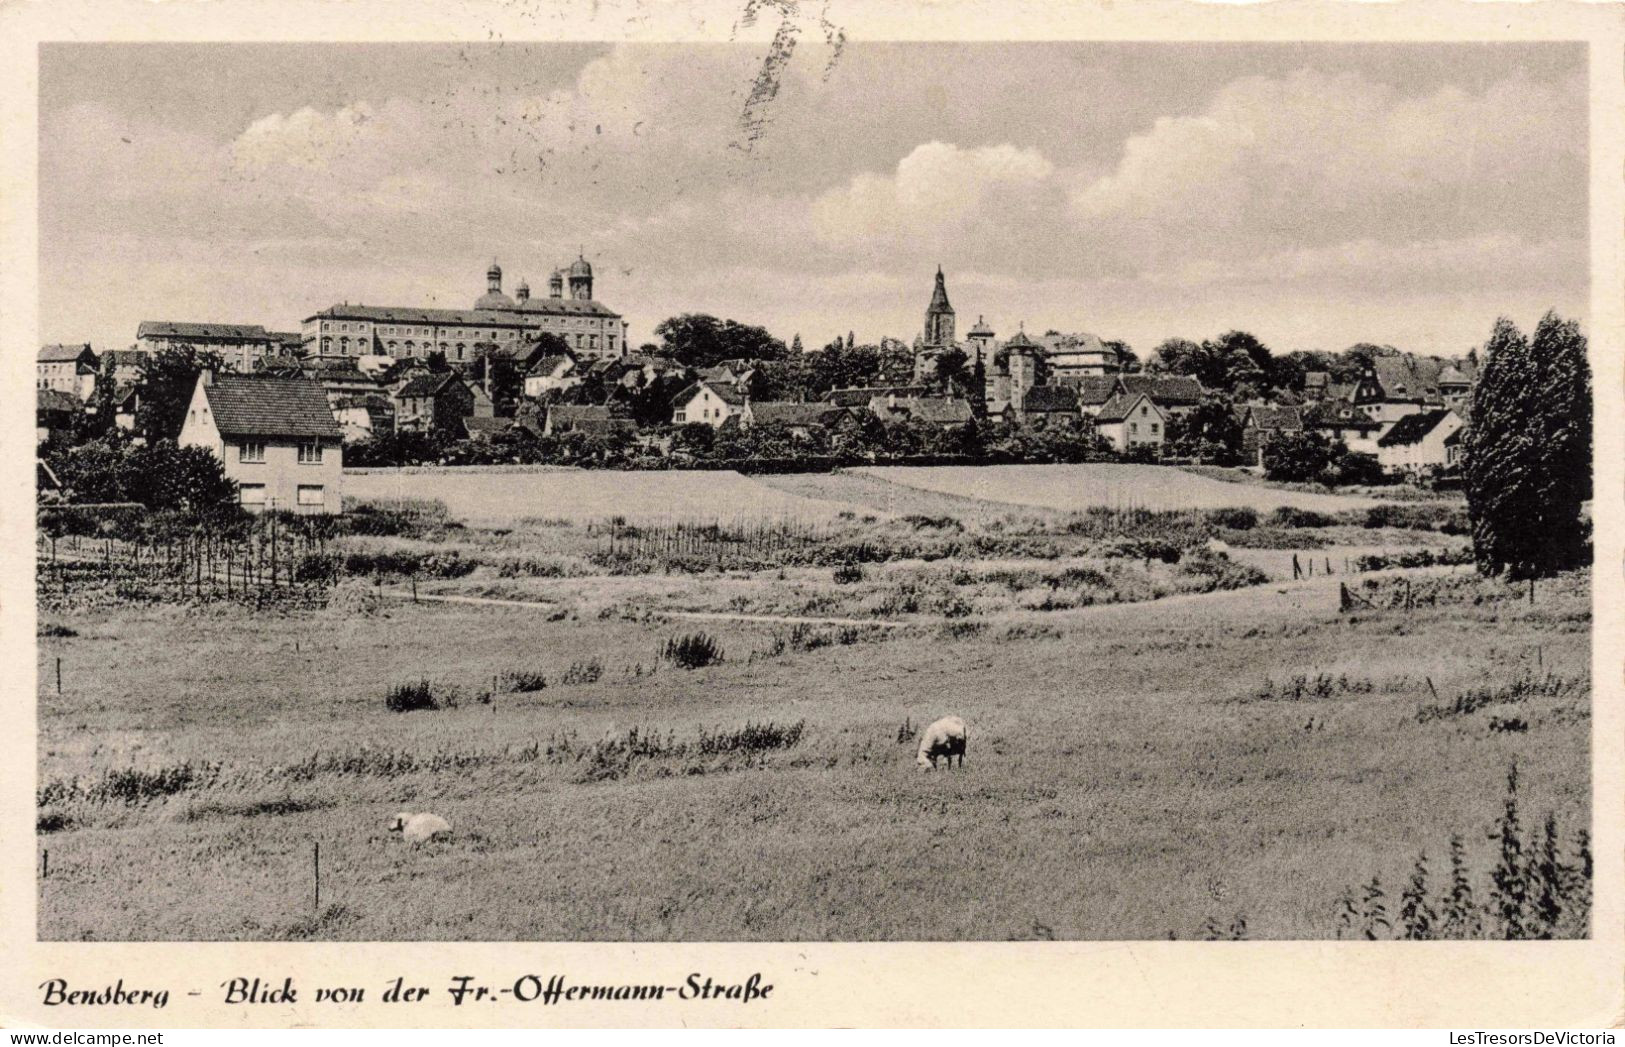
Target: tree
(505, 385)
(165, 382)
(1210, 430)
(1527, 460)
(701, 340)
(1298, 457)
(1127, 361)
(437, 362)
(950, 367)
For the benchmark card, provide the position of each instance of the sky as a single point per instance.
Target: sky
(1317, 195)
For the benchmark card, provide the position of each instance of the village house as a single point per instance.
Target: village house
(1174, 393)
(942, 411)
(339, 379)
(1420, 442)
(709, 402)
(1131, 420)
(1261, 423)
(276, 437)
(1077, 355)
(548, 373)
(1341, 420)
(127, 364)
(67, 369)
(54, 413)
(800, 419)
(439, 401)
(1050, 405)
(363, 417)
(592, 419)
(859, 396)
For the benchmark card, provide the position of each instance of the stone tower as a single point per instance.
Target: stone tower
(581, 279)
(939, 317)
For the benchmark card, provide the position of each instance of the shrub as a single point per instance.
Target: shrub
(1205, 571)
(55, 630)
(1240, 519)
(522, 681)
(589, 671)
(402, 518)
(417, 696)
(1291, 516)
(848, 574)
(692, 651)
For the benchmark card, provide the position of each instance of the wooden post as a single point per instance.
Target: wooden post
(59, 675)
(415, 590)
(1431, 689)
(1531, 591)
(316, 865)
(45, 864)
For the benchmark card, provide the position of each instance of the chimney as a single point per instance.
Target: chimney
(207, 376)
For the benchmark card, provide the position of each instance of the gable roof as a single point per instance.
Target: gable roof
(939, 410)
(724, 392)
(1273, 416)
(1050, 398)
(477, 426)
(1119, 407)
(788, 412)
(1338, 414)
(64, 354)
(1056, 344)
(209, 332)
(859, 396)
(1412, 428)
(57, 400)
(1174, 390)
(256, 405)
(548, 366)
(1095, 389)
(426, 385)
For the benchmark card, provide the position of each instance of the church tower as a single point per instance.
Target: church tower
(939, 317)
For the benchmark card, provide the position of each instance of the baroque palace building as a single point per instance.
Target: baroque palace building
(496, 321)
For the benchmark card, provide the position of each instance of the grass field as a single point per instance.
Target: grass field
(1164, 740)
(1074, 487)
(1125, 780)
(642, 497)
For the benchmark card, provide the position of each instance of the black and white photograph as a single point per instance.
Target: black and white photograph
(803, 487)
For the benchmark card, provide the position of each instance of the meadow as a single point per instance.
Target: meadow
(702, 732)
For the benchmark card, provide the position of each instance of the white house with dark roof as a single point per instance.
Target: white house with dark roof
(1425, 440)
(706, 401)
(1130, 420)
(276, 437)
(67, 369)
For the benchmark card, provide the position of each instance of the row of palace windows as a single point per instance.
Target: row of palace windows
(453, 350)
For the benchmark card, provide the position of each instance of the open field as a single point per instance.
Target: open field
(498, 498)
(1130, 775)
(1075, 487)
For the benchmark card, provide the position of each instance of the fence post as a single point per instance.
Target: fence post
(316, 864)
(45, 864)
(59, 675)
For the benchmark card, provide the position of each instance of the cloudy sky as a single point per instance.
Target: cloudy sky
(1317, 195)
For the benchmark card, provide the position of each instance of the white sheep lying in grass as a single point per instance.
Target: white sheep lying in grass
(944, 738)
(419, 827)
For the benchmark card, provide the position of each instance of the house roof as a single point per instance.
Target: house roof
(524, 314)
(1175, 390)
(1316, 379)
(549, 365)
(1412, 428)
(938, 410)
(787, 412)
(256, 405)
(425, 385)
(1274, 416)
(1056, 344)
(63, 354)
(1338, 414)
(57, 400)
(1020, 341)
(1095, 389)
(859, 396)
(477, 426)
(724, 392)
(1050, 398)
(208, 332)
(1119, 407)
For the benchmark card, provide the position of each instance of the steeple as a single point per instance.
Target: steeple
(939, 316)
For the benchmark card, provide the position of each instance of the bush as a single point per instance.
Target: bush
(692, 651)
(1291, 516)
(848, 574)
(522, 681)
(589, 671)
(395, 518)
(417, 696)
(1238, 519)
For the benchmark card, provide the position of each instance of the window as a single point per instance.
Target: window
(312, 494)
(1153, 428)
(310, 452)
(251, 494)
(1142, 412)
(682, 416)
(251, 451)
(1134, 427)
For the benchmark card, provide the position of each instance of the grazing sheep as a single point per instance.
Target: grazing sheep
(419, 827)
(944, 738)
